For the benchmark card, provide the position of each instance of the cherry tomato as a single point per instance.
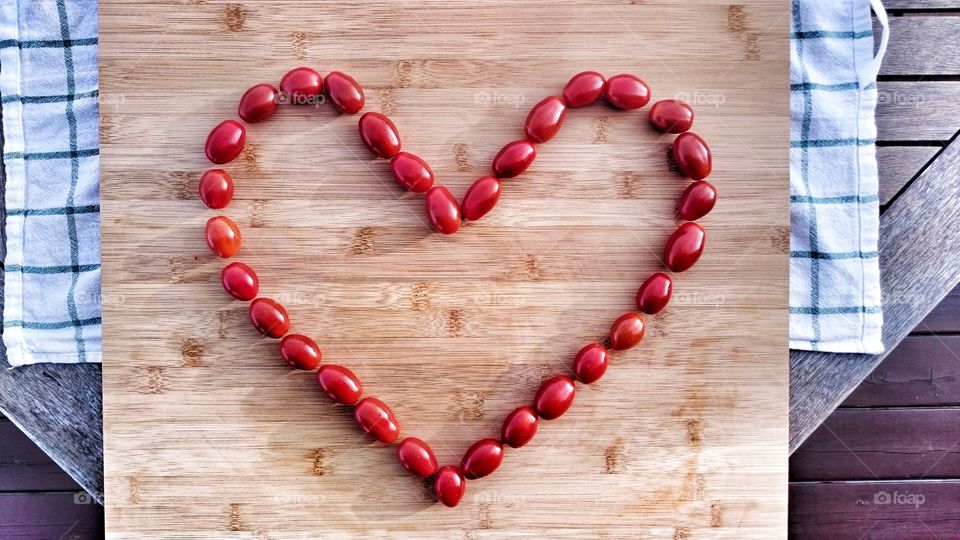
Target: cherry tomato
(626, 92)
(554, 397)
(269, 317)
(417, 457)
(684, 247)
(223, 236)
(443, 212)
(627, 331)
(340, 384)
(377, 420)
(697, 200)
(449, 485)
(591, 363)
(583, 89)
(302, 85)
(379, 134)
(692, 155)
(513, 159)
(240, 281)
(225, 142)
(544, 120)
(411, 172)
(654, 294)
(299, 351)
(216, 188)
(519, 426)
(480, 198)
(344, 92)
(671, 116)
(258, 103)
(482, 458)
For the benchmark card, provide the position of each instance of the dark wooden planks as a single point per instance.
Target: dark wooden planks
(50, 515)
(868, 444)
(945, 318)
(921, 371)
(24, 467)
(875, 510)
(919, 262)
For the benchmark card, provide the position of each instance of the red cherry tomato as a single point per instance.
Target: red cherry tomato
(692, 156)
(697, 200)
(340, 384)
(654, 294)
(302, 85)
(513, 159)
(344, 92)
(626, 92)
(627, 331)
(379, 134)
(299, 351)
(544, 120)
(417, 457)
(554, 397)
(225, 142)
(671, 116)
(519, 426)
(482, 458)
(411, 172)
(591, 363)
(684, 247)
(216, 188)
(480, 198)
(269, 317)
(258, 103)
(443, 212)
(240, 281)
(223, 236)
(449, 485)
(377, 420)
(583, 89)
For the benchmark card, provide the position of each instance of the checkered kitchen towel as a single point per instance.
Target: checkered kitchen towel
(48, 87)
(834, 210)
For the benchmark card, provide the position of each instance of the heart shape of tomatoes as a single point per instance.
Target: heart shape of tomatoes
(689, 153)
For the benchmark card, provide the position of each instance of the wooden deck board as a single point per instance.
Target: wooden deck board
(882, 444)
(855, 510)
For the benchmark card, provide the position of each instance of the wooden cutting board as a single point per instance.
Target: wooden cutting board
(208, 434)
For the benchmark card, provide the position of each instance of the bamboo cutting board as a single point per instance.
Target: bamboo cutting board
(208, 434)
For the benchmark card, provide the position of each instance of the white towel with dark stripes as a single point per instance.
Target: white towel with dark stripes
(834, 210)
(51, 268)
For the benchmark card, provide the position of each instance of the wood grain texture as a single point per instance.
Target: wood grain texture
(919, 265)
(921, 371)
(23, 466)
(208, 434)
(897, 165)
(918, 111)
(875, 444)
(50, 515)
(943, 319)
(905, 58)
(918, 5)
(882, 510)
